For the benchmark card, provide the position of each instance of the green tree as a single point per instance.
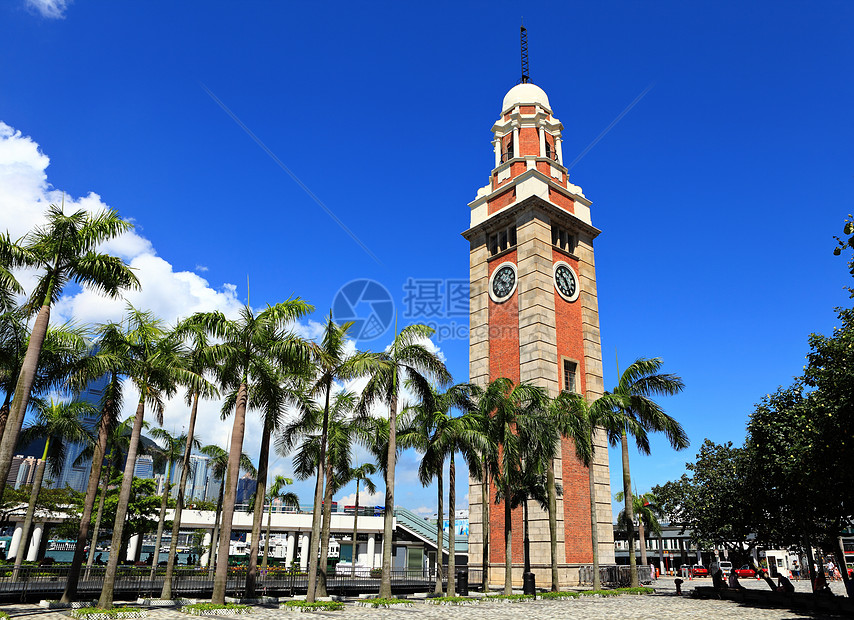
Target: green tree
(646, 511)
(360, 474)
(58, 423)
(170, 450)
(640, 381)
(63, 250)
(406, 360)
(198, 358)
(251, 349)
(140, 512)
(277, 490)
(10, 254)
(219, 461)
(150, 359)
(441, 436)
(332, 364)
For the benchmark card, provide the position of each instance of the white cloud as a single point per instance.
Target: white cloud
(201, 268)
(365, 499)
(51, 9)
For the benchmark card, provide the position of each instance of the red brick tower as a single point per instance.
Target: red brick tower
(534, 317)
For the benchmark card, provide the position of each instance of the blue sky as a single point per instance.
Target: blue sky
(717, 194)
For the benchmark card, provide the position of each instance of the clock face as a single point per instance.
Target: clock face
(566, 281)
(503, 282)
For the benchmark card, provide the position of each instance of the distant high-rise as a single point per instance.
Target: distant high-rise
(23, 471)
(144, 467)
(199, 478)
(74, 475)
(245, 488)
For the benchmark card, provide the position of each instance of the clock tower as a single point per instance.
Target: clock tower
(534, 317)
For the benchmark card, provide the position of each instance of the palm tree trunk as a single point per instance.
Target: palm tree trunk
(550, 481)
(630, 523)
(355, 533)
(484, 512)
(97, 528)
(230, 494)
(106, 600)
(22, 392)
(324, 533)
(452, 506)
(4, 411)
(594, 529)
(70, 592)
(215, 537)
(155, 557)
(31, 510)
(508, 543)
(264, 561)
(166, 593)
(388, 517)
(439, 533)
(314, 543)
(258, 515)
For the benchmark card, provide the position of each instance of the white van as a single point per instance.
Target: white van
(724, 565)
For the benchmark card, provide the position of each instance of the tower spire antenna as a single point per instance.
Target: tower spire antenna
(525, 75)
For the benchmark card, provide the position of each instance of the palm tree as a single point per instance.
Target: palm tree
(152, 363)
(511, 405)
(169, 453)
(198, 359)
(10, 254)
(270, 397)
(63, 250)
(485, 399)
(289, 498)
(340, 431)
(646, 510)
(406, 360)
(360, 474)
(58, 423)
(641, 414)
(251, 350)
(95, 365)
(332, 363)
(218, 463)
(441, 436)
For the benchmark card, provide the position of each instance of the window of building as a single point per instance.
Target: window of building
(502, 240)
(507, 155)
(563, 239)
(569, 371)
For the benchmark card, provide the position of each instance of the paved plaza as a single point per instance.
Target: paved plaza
(663, 604)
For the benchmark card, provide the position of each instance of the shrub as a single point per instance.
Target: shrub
(385, 602)
(316, 606)
(559, 595)
(86, 612)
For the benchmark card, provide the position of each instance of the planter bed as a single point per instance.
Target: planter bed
(387, 603)
(452, 600)
(302, 606)
(165, 602)
(208, 609)
(94, 613)
(60, 605)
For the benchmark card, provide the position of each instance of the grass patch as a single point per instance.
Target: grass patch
(640, 590)
(559, 595)
(4, 615)
(385, 602)
(211, 609)
(316, 606)
(511, 597)
(452, 600)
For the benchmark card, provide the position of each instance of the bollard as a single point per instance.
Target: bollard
(529, 584)
(462, 583)
(678, 583)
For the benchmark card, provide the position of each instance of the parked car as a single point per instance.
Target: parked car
(698, 570)
(745, 571)
(724, 566)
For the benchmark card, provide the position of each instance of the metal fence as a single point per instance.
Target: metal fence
(616, 575)
(132, 582)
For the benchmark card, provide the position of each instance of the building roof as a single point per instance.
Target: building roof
(525, 94)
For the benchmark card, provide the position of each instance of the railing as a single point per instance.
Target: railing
(615, 575)
(48, 582)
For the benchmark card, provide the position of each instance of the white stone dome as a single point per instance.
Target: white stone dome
(525, 94)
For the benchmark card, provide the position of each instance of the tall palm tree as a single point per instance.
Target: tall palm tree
(360, 474)
(485, 399)
(251, 349)
(340, 431)
(10, 254)
(219, 468)
(603, 413)
(637, 384)
(198, 359)
(288, 498)
(407, 360)
(271, 398)
(332, 363)
(95, 365)
(441, 436)
(511, 406)
(151, 361)
(171, 449)
(58, 423)
(646, 510)
(63, 250)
